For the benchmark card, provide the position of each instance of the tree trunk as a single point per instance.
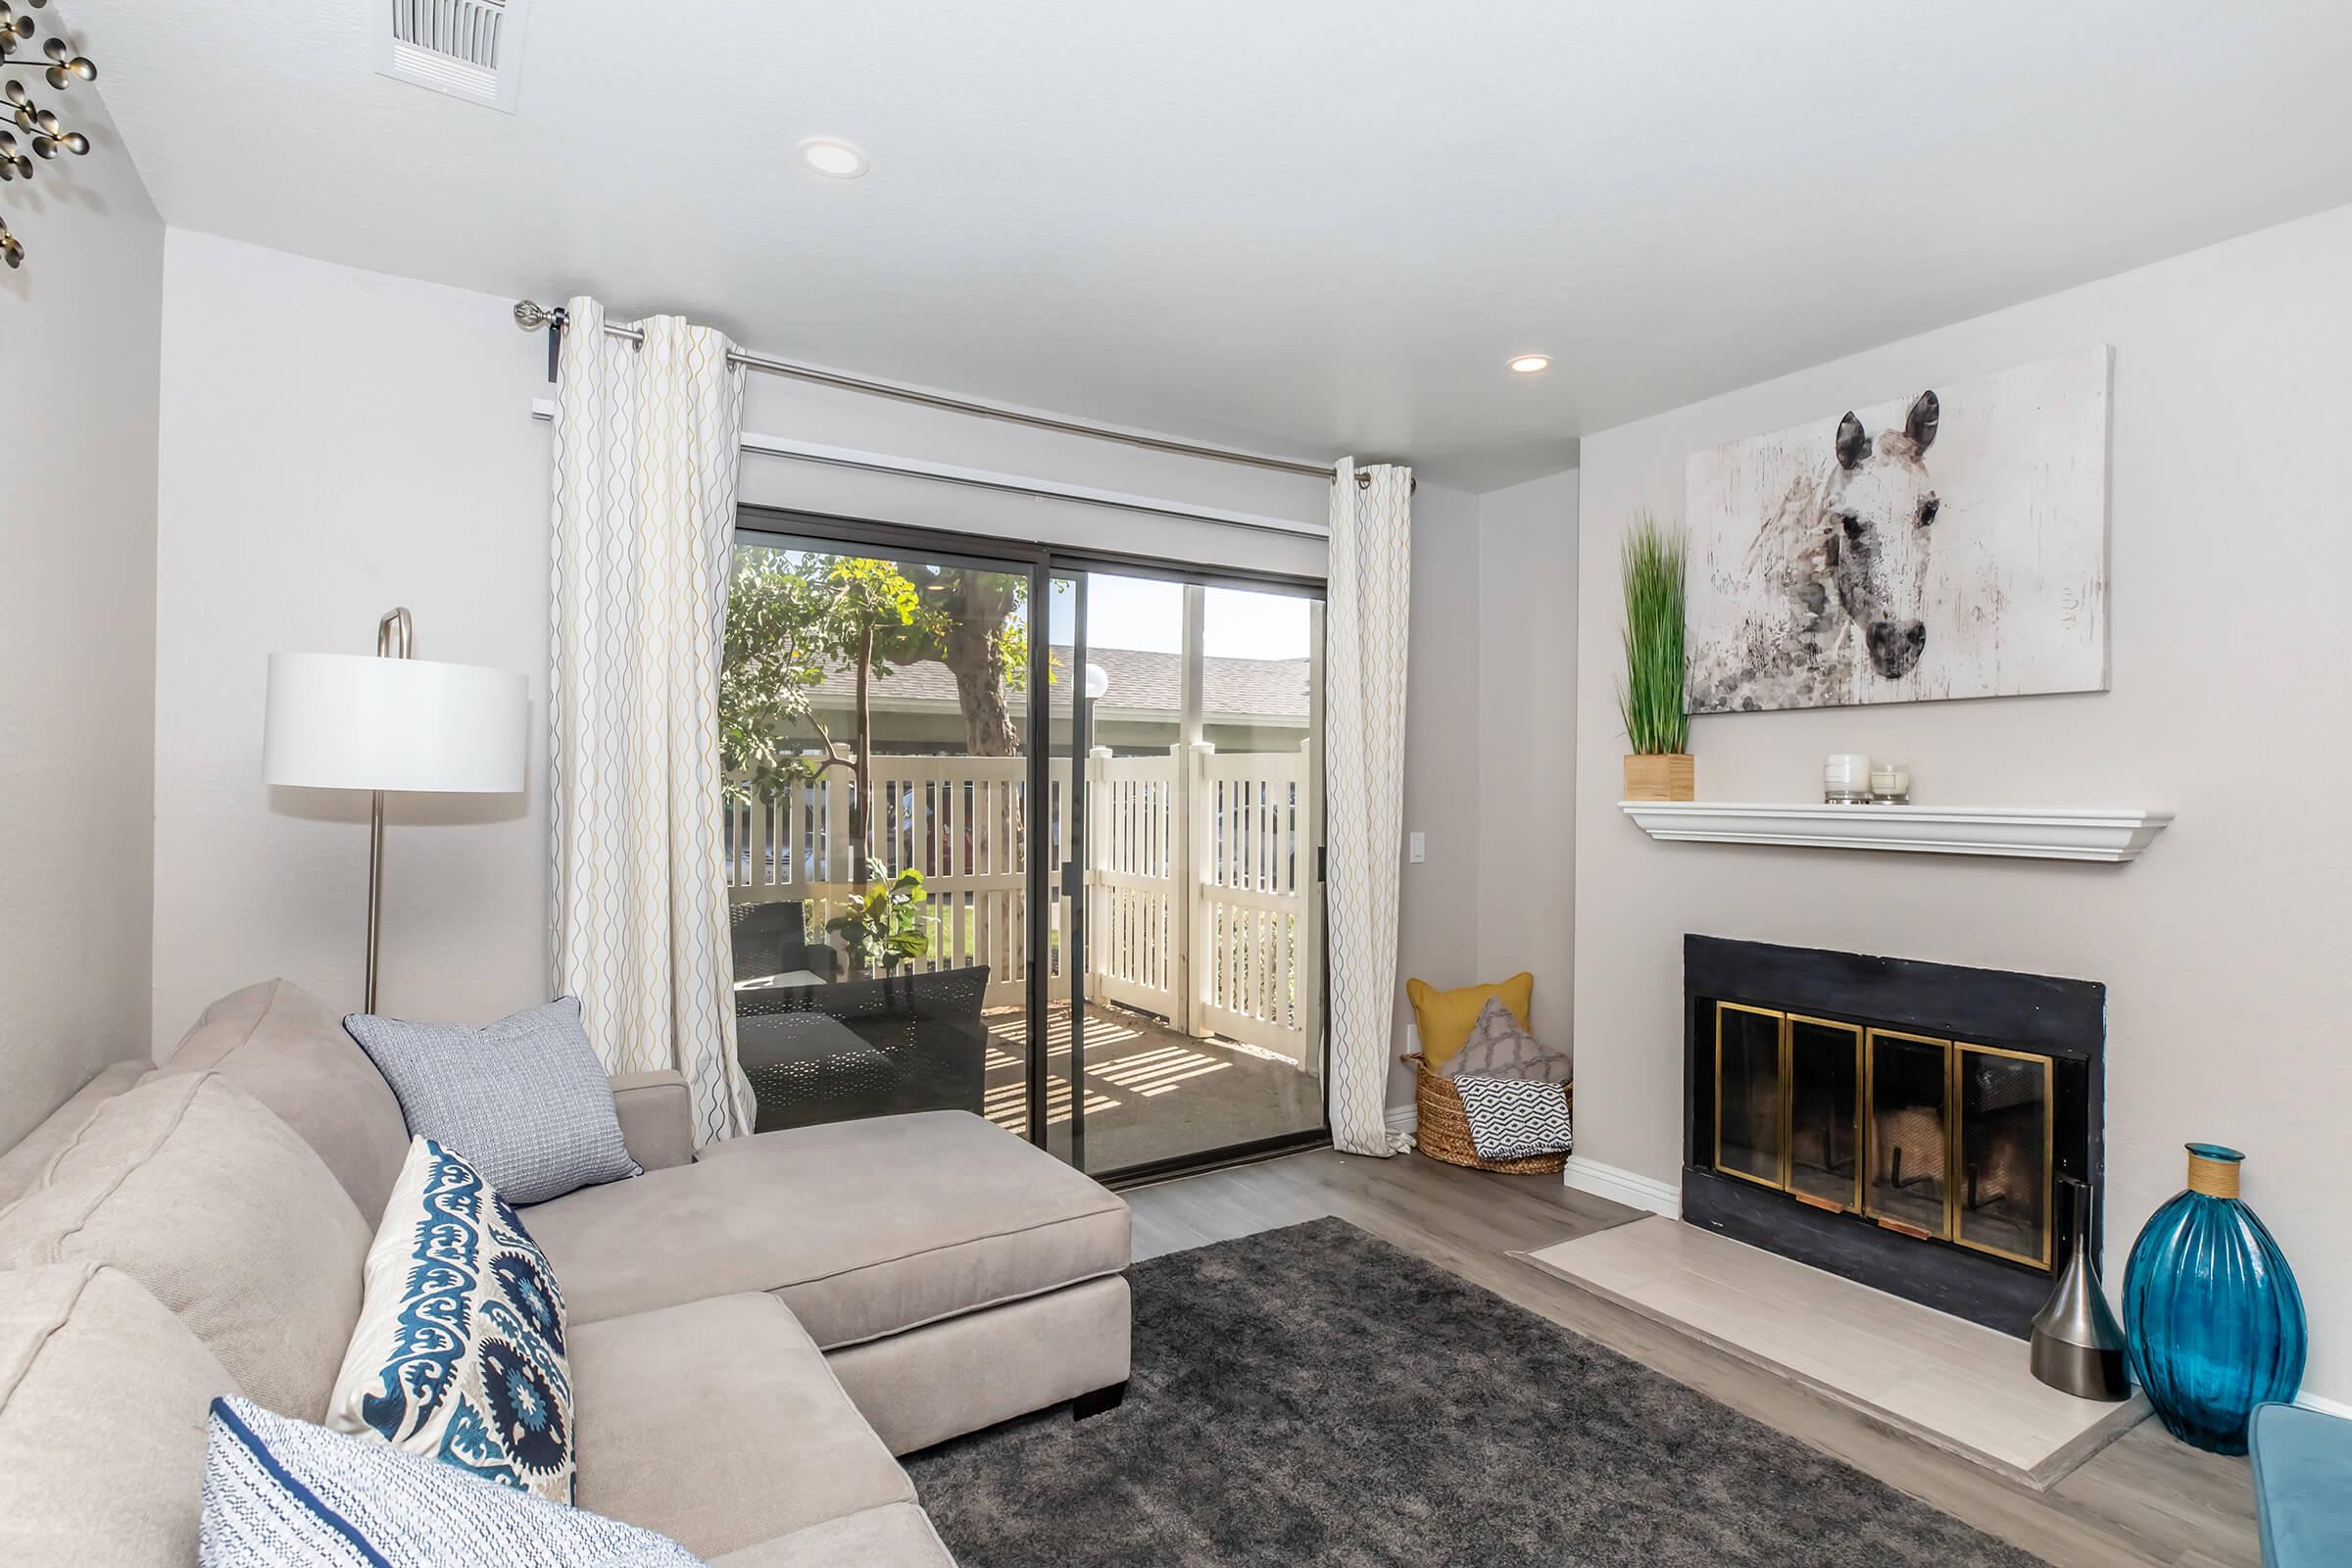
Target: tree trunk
(863, 779)
(969, 652)
(978, 603)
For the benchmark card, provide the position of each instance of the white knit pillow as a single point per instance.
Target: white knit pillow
(279, 1492)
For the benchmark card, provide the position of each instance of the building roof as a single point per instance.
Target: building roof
(1144, 682)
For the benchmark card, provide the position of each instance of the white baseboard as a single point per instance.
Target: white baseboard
(1623, 1186)
(2324, 1405)
(1403, 1119)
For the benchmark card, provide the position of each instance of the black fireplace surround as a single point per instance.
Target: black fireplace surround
(2064, 1020)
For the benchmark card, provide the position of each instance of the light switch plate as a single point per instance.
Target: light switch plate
(1418, 848)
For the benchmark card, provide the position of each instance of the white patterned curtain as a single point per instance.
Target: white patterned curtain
(1371, 575)
(648, 442)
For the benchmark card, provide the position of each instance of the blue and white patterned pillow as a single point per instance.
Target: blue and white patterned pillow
(459, 1351)
(284, 1494)
(524, 1099)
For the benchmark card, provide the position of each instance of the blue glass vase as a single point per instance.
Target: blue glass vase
(2212, 1317)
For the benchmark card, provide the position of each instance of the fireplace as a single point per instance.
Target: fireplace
(1905, 1124)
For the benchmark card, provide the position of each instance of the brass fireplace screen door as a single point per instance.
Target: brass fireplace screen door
(1939, 1138)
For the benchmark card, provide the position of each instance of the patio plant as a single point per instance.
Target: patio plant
(887, 923)
(1650, 698)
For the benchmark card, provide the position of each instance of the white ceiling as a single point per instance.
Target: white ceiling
(1303, 225)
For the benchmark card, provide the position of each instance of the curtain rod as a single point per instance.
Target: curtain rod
(532, 317)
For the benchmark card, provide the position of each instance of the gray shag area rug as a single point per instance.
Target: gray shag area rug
(1313, 1394)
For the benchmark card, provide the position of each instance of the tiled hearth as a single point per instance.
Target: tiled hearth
(1956, 1385)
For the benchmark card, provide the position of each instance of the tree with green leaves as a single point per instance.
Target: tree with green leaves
(793, 616)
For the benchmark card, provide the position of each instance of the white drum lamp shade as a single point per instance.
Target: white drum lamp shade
(349, 721)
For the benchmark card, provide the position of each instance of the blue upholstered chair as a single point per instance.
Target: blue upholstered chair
(2302, 1486)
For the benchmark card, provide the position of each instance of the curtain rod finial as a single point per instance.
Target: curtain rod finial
(532, 316)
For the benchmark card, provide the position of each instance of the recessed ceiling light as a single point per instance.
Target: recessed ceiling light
(837, 159)
(1529, 363)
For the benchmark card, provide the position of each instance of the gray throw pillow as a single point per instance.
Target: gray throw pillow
(525, 1099)
(1499, 1048)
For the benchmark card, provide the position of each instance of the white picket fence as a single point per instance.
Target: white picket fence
(959, 820)
(1262, 971)
(1227, 947)
(1133, 950)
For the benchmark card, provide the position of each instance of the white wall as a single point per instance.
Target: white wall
(335, 442)
(2227, 947)
(78, 335)
(1489, 764)
(1525, 760)
(1437, 919)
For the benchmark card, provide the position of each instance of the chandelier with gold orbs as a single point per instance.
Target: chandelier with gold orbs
(45, 135)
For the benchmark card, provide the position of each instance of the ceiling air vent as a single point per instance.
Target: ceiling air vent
(469, 49)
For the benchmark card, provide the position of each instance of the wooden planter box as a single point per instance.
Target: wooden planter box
(1672, 776)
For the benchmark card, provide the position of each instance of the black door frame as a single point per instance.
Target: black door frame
(1063, 872)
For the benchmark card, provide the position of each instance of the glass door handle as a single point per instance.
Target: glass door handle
(1074, 877)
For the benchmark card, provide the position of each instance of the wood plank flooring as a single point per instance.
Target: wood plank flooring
(2146, 1502)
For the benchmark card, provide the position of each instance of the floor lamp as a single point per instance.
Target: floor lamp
(345, 721)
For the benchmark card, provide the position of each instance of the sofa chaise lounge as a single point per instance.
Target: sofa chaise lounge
(754, 1334)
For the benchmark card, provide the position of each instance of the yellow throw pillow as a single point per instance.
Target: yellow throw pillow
(1447, 1017)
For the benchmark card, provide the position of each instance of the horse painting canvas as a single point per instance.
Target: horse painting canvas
(1948, 543)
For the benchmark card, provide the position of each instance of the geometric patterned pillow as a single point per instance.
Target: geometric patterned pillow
(459, 1351)
(284, 1494)
(1499, 1048)
(1515, 1119)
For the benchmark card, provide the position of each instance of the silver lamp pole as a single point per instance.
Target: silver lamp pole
(392, 722)
(395, 638)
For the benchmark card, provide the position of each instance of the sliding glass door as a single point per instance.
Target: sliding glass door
(879, 822)
(1024, 836)
(1193, 1014)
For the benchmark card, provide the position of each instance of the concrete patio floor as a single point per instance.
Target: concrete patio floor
(1152, 1092)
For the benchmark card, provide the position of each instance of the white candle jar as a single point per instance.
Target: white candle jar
(1846, 779)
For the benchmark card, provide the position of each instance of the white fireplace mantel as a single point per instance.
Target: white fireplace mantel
(2107, 834)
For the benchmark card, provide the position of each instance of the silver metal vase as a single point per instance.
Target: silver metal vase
(2077, 1348)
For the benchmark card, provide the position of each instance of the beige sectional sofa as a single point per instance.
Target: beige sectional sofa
(755, 1334)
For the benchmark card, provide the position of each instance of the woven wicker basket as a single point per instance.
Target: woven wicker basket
(1444, 1130)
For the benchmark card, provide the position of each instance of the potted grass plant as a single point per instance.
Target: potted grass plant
(1650, 698)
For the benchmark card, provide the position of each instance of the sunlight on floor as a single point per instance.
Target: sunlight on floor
(1152, 1091)
(1009, 1105)
(1157, 1068)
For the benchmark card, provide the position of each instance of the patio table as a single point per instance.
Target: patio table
(778, 982)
